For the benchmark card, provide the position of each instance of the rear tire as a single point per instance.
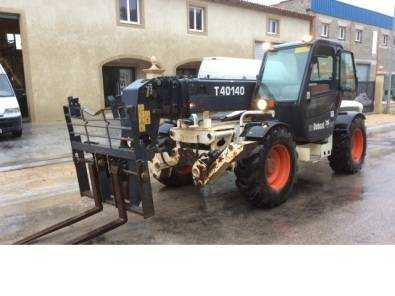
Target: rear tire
(349, 148)
(175, 176)
(267, 176)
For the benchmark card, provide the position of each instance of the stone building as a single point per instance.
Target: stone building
(364, 32)
(92, 48)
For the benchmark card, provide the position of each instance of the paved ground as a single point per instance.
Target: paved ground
(48, 143)
(40, 142)
(326, 209)
(376, 119)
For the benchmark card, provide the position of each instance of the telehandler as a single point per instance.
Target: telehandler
(182, 126)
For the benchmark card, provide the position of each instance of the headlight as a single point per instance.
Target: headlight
(307, 38)
(12, 111)
(261, 104)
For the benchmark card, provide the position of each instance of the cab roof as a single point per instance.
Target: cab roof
(314, 41)
(2, 70)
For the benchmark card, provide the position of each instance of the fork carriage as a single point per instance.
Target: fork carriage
(108, 170)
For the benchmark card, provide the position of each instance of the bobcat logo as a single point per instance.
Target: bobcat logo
(317, 126)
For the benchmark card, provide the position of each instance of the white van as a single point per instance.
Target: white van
(10, 114)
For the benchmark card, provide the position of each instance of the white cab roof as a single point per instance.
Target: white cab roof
(2, 70)
(229, 68)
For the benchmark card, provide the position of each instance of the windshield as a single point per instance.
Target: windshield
(5, 87)
(283, 73)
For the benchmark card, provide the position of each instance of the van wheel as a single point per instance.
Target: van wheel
(349, 148)
(267, 176)
(17, 134)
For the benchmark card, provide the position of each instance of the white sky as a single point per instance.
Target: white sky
(383, 6)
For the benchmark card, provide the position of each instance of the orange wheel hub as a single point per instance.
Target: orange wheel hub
(278, 167)
(357, 145)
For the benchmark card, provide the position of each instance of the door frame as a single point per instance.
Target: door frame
(23, 31)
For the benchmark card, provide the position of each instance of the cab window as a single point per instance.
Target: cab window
(347, 72)
(283, 72)
(322, 69)
(322, 78)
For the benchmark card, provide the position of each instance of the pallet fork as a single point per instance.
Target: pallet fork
(111, 170)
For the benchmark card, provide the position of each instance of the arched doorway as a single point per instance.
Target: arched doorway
(119, 73)
(189, 68)
(11, 57)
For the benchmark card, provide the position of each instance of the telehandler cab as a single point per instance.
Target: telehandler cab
(291, 113)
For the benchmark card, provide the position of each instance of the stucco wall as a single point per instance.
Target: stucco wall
(65, 43)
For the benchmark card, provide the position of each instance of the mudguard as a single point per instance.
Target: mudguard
(258, 130)
(344, 119)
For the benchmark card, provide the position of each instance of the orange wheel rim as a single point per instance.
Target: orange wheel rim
(278, 167)
(357, 145)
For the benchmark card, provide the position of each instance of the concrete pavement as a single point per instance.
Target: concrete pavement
(39, 143)
(43, 144)
(326, 208)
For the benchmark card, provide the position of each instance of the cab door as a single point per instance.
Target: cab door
(348, 82)
(322, 95)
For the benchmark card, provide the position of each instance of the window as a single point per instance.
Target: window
(283, 73)
(196, 19)
(385, 40)
(5, 87)
(347, 74)
(363, 72)
(10, 38)
(325, 30)
(14, 39)
(322, 69)
(129, 11)
(342, 33)
(273, 26)
(322, 77)
(358, 36)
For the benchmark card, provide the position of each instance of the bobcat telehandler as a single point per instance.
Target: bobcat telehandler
(290, 114)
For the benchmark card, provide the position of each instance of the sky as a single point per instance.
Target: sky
(382, 6)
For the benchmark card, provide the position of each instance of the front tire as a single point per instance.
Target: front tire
(349, 148)
(267, 176)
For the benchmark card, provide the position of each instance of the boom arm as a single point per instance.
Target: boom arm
(178, 98)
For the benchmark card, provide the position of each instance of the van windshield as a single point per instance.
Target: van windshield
(283, 73)
(5, 87)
